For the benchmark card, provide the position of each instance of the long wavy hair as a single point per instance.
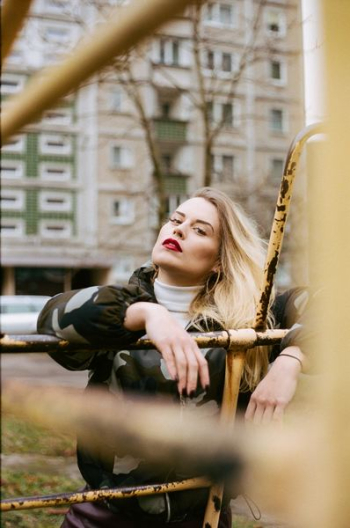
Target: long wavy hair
(229, 296)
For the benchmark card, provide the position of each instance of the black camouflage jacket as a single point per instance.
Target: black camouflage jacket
(95, 315)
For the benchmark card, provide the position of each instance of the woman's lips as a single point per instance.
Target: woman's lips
(171, 243)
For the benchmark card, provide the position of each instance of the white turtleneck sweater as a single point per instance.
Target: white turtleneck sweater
(176, 299)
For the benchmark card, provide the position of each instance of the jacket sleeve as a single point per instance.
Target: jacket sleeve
(288, 310)
(295, 311)
(93, 315)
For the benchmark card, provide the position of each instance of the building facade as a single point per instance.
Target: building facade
(79, 188)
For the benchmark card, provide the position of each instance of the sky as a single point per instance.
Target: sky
(313, 61)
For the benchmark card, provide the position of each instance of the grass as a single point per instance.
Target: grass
(23, 484)
(19, 437)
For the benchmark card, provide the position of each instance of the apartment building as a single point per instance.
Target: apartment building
(79, 188)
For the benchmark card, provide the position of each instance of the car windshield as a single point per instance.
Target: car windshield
(21, 307)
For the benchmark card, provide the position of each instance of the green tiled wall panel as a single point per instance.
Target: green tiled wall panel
(170, 130)
(175, 184)
(32, 212)
(32, 156)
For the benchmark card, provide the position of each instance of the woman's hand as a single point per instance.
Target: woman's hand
(273, 394)
(183, 359)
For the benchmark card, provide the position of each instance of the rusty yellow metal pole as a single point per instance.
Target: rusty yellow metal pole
(246, 337)
(62, 499)
(233, 374)
(125, 29)
(13, 16)
(280, 218)
(234, 370)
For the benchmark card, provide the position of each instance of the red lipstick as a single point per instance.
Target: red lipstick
(172, 244)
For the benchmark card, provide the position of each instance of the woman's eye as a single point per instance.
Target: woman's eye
(200, 231)
(175, 220)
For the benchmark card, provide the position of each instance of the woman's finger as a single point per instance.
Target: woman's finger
(203, 369)
(249, 414)
(258, 414)
(268, 414)
(181, 367)
(192, 371)
(278, 413)
(169, 359)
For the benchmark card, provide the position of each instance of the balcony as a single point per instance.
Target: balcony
(175, 183)
(170, 130)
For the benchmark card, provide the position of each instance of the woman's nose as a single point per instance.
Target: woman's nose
(178, 231)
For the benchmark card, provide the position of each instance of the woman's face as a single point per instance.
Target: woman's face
(187, 247)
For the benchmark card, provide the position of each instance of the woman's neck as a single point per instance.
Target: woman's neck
(177, 299)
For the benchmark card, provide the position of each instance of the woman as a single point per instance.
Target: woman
(205, 274)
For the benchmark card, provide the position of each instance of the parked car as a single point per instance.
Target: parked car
(19, 313)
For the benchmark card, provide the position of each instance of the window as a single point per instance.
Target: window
(223, 167)
(55, 172)
(227, 114)
(210, 60)
(12, 227)
(275, 23)
(123, 268)
(166, 109)
(58, 117)
(210, 110)
(55, 229)
(277, 120)
(220, 14)
(227, 167)
(12, 169)
(168, 51)
(11, 83)
(276, 169)
(15, 144)
(56, 34)
(55, 144)
(167, 162)
(226, 62)
(56, 6)
(55, 201)
(175, 52)
(115, 99)
(12, 199)
(173, 201)
(122, 211)
(118, 2)
(221, 61)
(120, 157)
(277, 71)
(225, 14)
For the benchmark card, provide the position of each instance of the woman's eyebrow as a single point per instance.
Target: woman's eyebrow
(198, 220)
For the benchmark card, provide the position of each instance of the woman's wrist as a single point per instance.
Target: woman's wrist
(293, 354)
(137, 314)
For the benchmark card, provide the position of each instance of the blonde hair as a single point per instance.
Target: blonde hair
(229, 297)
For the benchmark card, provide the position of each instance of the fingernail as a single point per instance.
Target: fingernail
(206, 388)
(184, 393)
(192, 394)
